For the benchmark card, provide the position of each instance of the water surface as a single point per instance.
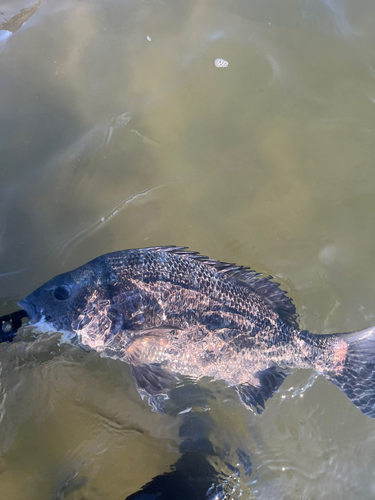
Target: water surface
(117, 130)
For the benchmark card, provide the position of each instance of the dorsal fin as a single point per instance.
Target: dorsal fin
(259, 283)
(270, 291)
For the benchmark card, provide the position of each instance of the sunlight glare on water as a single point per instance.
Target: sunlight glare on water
(241, 129)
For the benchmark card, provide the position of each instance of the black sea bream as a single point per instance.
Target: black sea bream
(170, 312)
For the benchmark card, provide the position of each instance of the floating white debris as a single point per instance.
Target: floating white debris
(185, 411)
(148, 38)
(221, 63)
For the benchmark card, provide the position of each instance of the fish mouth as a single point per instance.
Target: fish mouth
(31, 310)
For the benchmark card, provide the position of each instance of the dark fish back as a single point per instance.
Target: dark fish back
(237, 290)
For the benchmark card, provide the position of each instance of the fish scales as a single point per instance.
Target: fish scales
(169, 312)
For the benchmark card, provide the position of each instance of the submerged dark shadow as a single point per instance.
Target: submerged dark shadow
(203, 471)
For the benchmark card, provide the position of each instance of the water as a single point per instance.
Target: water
(119, 130)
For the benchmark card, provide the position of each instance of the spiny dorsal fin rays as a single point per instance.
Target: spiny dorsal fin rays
(263, 285)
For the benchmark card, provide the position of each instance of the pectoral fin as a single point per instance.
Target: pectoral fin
(253, 396)
(154, 384)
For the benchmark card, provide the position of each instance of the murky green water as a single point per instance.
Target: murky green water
(118, 131)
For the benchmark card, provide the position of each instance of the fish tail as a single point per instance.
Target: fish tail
(352, 367)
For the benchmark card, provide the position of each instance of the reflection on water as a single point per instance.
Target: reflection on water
(117, 130)
(17, 20)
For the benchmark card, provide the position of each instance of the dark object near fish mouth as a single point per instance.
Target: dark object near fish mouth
(10, 323)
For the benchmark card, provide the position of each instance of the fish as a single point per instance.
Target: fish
(171, 313)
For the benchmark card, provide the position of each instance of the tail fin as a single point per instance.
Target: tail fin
(356, 376)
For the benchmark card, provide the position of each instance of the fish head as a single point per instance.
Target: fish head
(62, 304)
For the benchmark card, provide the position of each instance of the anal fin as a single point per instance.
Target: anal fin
(255, 396)
(153, 383)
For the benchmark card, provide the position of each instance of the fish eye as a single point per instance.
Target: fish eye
(62, 292)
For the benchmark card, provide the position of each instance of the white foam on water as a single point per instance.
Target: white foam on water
(221, 63)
